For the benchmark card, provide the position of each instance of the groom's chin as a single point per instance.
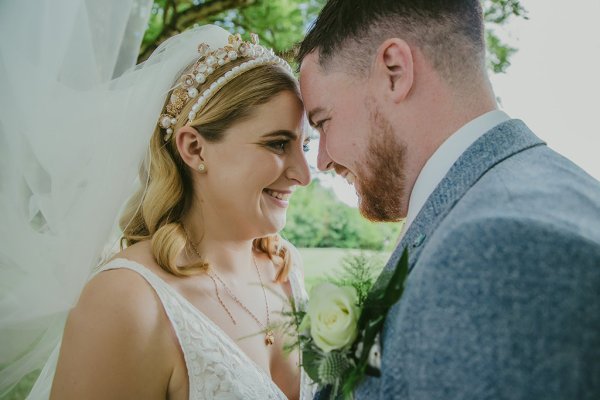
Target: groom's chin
(379, 207)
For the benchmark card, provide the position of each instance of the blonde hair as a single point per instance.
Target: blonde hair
(156, 210)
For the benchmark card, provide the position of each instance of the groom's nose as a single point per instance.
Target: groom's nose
(324, 161)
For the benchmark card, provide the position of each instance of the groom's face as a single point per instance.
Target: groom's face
(335, 105)
(356, 139)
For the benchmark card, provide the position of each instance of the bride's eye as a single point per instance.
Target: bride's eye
(278, 145)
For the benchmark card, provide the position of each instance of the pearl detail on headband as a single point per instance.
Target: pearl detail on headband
(187, 89)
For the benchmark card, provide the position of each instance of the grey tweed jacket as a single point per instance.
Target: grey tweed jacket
(503, 296)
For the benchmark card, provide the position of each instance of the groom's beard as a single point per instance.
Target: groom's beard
(380, 183)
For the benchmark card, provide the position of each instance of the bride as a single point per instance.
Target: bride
(187, 308)
(175, 313)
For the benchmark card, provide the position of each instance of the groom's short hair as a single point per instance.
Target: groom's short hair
(347, 33)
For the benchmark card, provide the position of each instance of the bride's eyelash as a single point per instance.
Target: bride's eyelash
(278, 145)
(281, 145)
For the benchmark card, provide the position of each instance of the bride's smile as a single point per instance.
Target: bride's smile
(282, 197)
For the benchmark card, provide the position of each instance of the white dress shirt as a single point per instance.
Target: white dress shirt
(444, 157)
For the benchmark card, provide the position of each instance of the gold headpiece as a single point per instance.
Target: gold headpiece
(188, 85)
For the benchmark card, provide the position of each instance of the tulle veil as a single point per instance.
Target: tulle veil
(76, 116)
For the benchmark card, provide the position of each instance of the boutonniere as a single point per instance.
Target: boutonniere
(338, 329)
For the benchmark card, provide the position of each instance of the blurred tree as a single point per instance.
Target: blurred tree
(282, 23)
(316, 218)
(497, 13)
(279, 23)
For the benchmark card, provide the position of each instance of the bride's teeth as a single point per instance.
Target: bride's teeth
(278, 195)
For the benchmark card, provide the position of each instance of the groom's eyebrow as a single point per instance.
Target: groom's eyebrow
(312, 113)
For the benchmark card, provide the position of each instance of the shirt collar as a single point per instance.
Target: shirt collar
(445, 156)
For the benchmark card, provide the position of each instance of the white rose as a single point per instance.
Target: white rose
(332, 316)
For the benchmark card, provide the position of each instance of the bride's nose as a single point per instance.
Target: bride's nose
(298, 169)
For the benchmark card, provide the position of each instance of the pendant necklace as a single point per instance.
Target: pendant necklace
(269, 335)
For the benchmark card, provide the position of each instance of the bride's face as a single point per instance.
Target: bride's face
(252, 173)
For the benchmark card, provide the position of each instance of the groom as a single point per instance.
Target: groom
(503, 296)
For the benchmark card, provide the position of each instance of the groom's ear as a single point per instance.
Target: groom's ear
(190, 145)
(393, 69)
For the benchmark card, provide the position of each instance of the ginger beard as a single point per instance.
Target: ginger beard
(380, 182)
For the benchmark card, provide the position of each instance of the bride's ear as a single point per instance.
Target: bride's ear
(190, 145)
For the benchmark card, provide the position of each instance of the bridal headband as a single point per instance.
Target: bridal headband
(187, 88)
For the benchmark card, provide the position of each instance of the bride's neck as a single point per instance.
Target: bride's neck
(226, 257)
(227, 254)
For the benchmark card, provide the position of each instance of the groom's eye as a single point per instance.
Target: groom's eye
(319, 125)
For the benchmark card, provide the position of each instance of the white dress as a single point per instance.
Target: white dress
(217, 368)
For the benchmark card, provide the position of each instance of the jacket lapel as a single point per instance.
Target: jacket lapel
(498, 144)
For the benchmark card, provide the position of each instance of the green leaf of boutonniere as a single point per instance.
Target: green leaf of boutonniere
(375, 310)
(310, 363)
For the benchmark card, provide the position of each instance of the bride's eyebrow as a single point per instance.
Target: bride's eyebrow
(279, 133)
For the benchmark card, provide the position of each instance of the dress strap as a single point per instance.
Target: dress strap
(176, 309)
(173, 303)
(162, 289)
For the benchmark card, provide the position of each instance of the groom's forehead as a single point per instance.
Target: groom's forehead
(314, 78)
(310, 67)
(311, 79)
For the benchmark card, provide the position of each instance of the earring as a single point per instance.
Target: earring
(201, 168)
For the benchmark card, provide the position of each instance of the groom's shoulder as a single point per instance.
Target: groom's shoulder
(537, 186)
(519, 260)
(540, 169)
(506, 229)
(549, 252)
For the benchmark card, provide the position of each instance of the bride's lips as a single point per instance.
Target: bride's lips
(279, 197)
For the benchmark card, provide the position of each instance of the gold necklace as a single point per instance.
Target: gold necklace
(269, 336)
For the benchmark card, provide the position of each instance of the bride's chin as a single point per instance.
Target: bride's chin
(272, 219)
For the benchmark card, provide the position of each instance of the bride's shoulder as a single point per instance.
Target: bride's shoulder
(140, 253)
(120, 295)
(117, 321)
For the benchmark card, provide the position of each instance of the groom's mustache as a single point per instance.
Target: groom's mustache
(338, 168)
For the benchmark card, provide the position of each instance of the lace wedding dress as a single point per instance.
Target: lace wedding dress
(217, 367)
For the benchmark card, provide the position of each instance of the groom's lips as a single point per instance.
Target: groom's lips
(345, 173)
(348, 176)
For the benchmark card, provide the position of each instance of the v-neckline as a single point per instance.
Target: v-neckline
(219, 333)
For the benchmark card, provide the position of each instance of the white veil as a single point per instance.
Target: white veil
(72, 137)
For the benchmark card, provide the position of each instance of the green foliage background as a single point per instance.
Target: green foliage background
(316, 218)
(281, 24)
